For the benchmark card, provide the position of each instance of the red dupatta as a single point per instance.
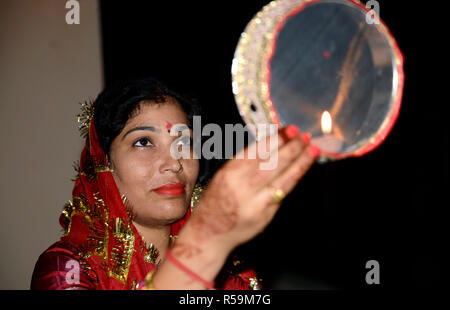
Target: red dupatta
(98, 223)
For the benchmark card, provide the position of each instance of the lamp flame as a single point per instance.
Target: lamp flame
(326, 122)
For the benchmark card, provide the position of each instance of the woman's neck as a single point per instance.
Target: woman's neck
(159, 236)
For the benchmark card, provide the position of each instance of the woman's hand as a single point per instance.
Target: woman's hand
(239, 202)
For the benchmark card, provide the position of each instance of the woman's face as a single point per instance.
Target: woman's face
(142, 162)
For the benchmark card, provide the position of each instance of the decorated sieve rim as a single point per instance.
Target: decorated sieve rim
(331, 67)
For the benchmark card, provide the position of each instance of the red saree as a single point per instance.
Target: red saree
(101, 248)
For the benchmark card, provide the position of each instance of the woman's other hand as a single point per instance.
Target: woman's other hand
(242, 198)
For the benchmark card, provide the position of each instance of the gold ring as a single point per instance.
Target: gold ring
(277, 195)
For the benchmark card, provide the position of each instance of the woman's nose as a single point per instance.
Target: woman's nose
(172, 164)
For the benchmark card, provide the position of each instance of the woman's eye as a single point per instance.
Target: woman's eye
(143, 142)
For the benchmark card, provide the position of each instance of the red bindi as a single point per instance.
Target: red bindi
(168, 126)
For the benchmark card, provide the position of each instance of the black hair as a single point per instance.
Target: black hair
(115, 105)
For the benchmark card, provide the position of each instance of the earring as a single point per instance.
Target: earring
(181, 167)
(108, 164)
(196, 194)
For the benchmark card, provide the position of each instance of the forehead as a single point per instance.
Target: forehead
(158, 114)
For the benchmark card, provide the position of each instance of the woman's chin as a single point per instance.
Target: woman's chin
(166, 214)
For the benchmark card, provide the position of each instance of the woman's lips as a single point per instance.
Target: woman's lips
(170, 189)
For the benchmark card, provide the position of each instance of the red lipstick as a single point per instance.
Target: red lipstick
(170, 189)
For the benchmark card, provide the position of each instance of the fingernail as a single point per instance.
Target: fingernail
(314, 151)
(291, 131)
(306, 137)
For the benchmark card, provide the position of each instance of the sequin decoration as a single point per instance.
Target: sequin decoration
(122, 250)
(85, 117)
(254, 284)
(151, 254)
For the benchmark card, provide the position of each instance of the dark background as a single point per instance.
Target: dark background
(388, 205)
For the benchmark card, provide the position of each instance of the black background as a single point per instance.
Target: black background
(388, 205)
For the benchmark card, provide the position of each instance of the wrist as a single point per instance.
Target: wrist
(205, 257)
(187, 271)
(218, 246)
(189, 266)
(195, 260)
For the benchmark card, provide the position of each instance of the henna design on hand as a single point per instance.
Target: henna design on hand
(218, 213)
(185, 250)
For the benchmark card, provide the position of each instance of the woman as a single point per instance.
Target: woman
(132, 197)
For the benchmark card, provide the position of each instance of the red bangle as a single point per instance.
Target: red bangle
(209, 285)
